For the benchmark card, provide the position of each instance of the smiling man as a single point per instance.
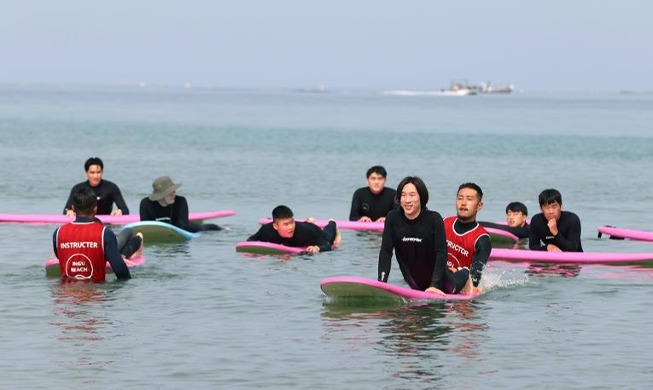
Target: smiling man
(553, 229)
(107, 192)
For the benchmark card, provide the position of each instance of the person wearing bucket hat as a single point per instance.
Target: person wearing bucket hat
(164, 205)
(106, 191)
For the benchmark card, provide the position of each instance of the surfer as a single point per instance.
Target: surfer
(106, 192)
(286, 231)
(372, 203)
(84, 245)
(164, 205)
(553, 229)
(468, 244)
(516, 216)
(417, 236)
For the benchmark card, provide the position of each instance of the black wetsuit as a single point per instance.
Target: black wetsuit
(366, 204)
(567, 239)
(420, 246)
(306, 234)
(520, 232)
(175, 214)
(107, 193)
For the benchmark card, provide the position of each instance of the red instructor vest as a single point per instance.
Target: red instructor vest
(80, 250)
(460, 247)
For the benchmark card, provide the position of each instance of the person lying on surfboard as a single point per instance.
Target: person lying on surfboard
(468, 244)
(372, 203)
(417, 237)
(84, 245)
(516, 219)
(107, 192)
(286, 231)
(553, 229)
(164, 205)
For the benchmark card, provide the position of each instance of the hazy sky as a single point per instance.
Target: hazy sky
(536, 45)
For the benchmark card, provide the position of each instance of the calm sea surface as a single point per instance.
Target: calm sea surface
(199, 315)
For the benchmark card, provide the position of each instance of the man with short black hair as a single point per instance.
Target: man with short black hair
(84, 245)
(372, 203)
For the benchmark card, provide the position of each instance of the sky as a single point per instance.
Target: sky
(357, 44)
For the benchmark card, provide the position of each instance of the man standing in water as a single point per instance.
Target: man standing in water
(553, 229)
(107, 192)
(84, 245)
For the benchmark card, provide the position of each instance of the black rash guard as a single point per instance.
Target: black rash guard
(420, 246)
(520, 232)
(306, 234)
(567, 239)
(175, 214)
(366, 204)
(107, 193)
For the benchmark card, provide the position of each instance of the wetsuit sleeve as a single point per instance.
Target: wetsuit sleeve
(54, 242)
(520, 232)
(385, 254)
(180, 217)
(570, 241)
(119, 200)
(354, 215)
(259, 235)
(145, 210)
(69, 202)
(113, 255)
(440, 242)
(482, 251)
(537, 233)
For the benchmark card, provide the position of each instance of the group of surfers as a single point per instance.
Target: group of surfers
(435, 254)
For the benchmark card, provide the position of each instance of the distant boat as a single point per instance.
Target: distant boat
(490, 88)
(459, 88)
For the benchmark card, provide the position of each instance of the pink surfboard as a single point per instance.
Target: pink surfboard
(343, 287)
(348, 225)
(52, 266)
(569, 257)
(502, 234)
(267, 248)
(615, 232)
(107, 219)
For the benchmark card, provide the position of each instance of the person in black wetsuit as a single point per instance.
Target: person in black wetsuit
(516, 216)
(372, 203)
(553, 229)
(165, 205)
(417, 236)
(286, 231)
(107, 192)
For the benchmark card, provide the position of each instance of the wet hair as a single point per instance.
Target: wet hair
(419, 185)
(377, 169)
(84, 201)
(517, 207)
(472, 186)
(550, 196)
(281, 212)
(93, 161)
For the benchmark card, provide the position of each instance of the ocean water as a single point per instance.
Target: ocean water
(200, 315)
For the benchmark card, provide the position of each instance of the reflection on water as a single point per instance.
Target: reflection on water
(77, 314)
(553, 269)
(420, 341)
